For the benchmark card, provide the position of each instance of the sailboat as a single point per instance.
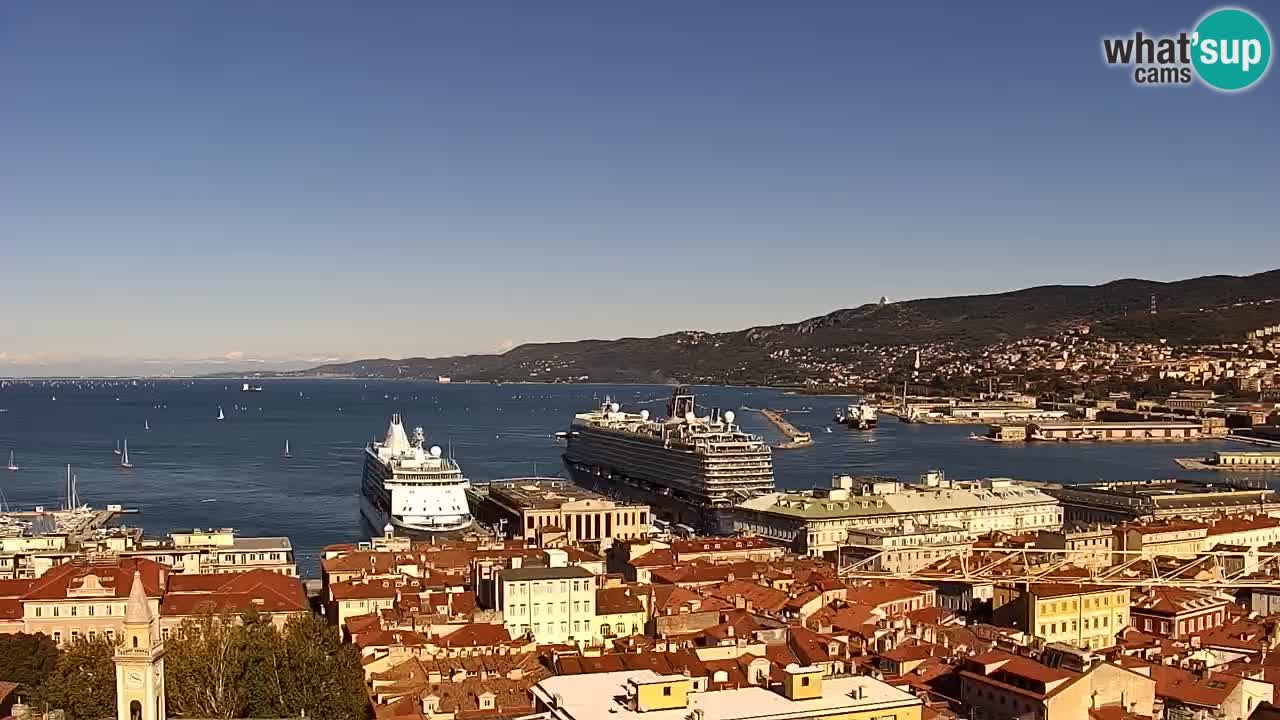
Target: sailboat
(220, 415)
(12, 466)
(287, 454)
(117, 450)
(124, 457)
(146, 425)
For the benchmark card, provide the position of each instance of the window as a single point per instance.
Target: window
(37, 611)
(804, 681)
(90, 611)
(666, 691)
(73, 611)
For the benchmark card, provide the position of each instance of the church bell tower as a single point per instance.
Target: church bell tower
(139, 660)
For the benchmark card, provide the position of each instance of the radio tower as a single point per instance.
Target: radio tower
(1153, 304)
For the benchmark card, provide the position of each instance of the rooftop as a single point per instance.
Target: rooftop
(597, 696)
(540, 493)
(544, 573)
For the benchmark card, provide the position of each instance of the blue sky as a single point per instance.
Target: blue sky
(297, 181)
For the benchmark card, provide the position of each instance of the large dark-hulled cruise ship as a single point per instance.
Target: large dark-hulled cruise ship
(694, 469)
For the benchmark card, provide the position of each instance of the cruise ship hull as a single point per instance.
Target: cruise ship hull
(663, 502)
(378, 518)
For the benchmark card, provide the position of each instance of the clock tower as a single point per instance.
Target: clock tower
(139, 660)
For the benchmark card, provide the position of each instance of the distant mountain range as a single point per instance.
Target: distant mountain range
(1215, 308)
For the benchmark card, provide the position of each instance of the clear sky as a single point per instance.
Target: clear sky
(297, 181)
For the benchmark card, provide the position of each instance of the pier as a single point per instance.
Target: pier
(77, 525)
(795, 436)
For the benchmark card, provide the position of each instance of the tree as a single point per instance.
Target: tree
(323, 675)
(225, 666)
(27, 659)
(83, 682)
(204, 663)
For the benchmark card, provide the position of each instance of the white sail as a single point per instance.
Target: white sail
(12, 465)
(124, 456)
(220, 415)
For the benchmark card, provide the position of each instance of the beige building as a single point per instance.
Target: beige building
(557, 510)
(999, 686)
(1086, 547)
(197, 551)
(218, 551)
(818, 522)
(1083, 616)
(556, 604)
(87, 599)
(804, 694)
(908, 547)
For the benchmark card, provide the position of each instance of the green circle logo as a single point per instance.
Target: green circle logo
(1231, 49)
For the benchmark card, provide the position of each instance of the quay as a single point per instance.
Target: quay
(1234, 461)
(795, 436)
(1082, 431)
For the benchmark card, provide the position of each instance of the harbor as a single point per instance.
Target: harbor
(191, 469)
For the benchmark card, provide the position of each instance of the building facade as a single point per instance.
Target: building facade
(532, 508)
(554, 604)
(819, 522)
(1083, 616)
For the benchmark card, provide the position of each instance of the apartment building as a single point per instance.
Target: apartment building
(997, 685)
(1083, 616)
(1176, 612)
(556, 604)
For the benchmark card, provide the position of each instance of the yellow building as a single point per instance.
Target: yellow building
(645, 695)
(1085, 616)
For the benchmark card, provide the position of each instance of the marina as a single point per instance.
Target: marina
(192, 470)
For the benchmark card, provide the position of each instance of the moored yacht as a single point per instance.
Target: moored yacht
(413, 488)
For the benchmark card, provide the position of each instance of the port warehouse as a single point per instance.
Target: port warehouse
(1237, 459)
(1098, 431)
(1124, 501)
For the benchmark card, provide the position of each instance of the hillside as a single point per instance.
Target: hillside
(1218, 308)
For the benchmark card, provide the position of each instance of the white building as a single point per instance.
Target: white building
(819, 521)
(555, 603)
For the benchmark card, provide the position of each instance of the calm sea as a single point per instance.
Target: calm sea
(191, 470)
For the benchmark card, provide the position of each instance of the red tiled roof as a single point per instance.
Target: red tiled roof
(617, 600)
(476, 635)
(10, 609)
(115, 577)
(363, 589)
(14, 588)
(1188, 688)
(260, 590)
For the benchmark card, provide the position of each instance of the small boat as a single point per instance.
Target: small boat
(287, 454)
(124, 456)
(209, 500)
(117, 450)
(12, 466)
(221, 416)
(146, 426)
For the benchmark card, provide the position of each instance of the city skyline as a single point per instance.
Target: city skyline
(240, 186)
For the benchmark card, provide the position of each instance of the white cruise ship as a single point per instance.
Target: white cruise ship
(412, 488)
